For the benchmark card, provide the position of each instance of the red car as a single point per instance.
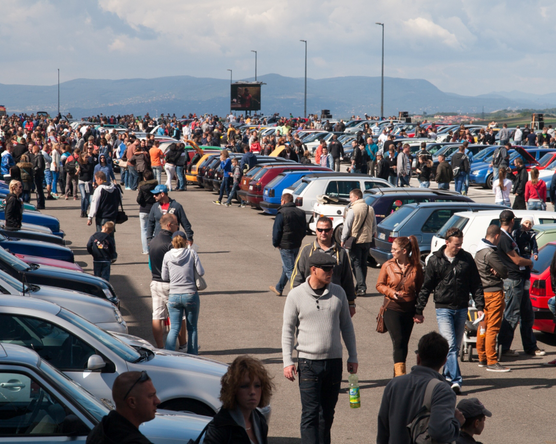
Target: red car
(50, 262)
(541, 289)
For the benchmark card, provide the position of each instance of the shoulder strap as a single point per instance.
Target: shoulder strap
(364, 220)
(427, 400)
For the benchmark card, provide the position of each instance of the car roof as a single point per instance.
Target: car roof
(16, 354)
(519, 213)
(29, 304)
(456, 204)
(337, 174)
(413, 191)
(545, 227)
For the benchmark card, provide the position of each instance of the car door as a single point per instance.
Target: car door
(62, 349)
(32, 412)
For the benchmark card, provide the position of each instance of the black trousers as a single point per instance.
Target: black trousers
(39, 190)
(400, 326)
(519, 202)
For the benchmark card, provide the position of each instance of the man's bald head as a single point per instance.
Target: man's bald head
(169, 222)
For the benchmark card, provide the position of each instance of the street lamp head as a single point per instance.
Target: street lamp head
(304, 41)
(254, 51)
(381, 24)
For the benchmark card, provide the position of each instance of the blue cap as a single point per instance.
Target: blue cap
(160, 189)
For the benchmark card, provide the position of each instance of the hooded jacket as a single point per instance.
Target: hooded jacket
(487, 259)
(115, 429)
(105, 202)
(289, 227)
(178, 267)
(451, 283)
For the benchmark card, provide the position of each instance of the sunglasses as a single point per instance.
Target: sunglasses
(143, 378)
(324, 230)
(327, 268)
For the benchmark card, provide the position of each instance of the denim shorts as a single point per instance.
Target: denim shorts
(48, 177)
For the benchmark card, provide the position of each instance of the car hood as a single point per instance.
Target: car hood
(170, 427)
(70, 274)
(529, 158)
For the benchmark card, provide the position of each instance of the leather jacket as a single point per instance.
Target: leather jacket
(392, 280)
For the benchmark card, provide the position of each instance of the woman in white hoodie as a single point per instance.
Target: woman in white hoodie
(178, 267)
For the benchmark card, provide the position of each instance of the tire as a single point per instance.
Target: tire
(188, 405)
(470, 352)
(462, 354)
(499, 349)
(423, 257)
(338, 234)
(488, 182)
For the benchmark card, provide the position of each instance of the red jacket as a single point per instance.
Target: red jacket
(537, 191)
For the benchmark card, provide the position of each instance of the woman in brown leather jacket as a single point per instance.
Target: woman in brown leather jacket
(400, 280)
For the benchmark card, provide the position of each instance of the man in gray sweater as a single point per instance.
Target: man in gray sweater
(316, 314)
(492, 271)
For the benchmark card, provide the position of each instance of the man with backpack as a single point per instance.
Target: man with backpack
(423, 399)
(501, 158)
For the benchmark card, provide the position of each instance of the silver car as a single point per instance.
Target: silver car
(99, 311)
(94, 358)
(38, 404)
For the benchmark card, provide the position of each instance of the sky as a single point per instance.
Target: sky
(468, 47)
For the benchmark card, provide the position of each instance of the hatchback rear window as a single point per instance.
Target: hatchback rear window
(299, 189)
(396, 218)
(260, 174)
(437, 220)
(454, 222)
(545, 257)
(253, 171)
(275, 181)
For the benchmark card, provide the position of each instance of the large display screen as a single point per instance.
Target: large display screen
(246, 97)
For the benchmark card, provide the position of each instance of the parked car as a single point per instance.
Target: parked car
(272, 193)
(57, 277)
(422, 220)
(541, 290)
(40, 404)
(256, 171)
(337, 185)
(32, 236)
(475, 224)
(94, 358)
(36, 218)
(29, 259)
(39, 248)
(254, 194)
(384, 201)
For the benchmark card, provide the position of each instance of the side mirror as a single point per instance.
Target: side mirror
(95, 362)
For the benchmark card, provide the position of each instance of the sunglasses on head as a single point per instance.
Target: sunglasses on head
(324, 230)
(142, 378)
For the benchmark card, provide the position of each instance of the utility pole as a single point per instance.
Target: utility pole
(58, 91)
(382, 76)
(305, 102)
(255, 63)
(230, 90)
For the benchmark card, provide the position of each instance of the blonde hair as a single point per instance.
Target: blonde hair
(13, 185)
(501, 177)
(179, 242)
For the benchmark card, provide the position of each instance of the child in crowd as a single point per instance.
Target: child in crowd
(526, 240)
(475, 414)
(103, 249)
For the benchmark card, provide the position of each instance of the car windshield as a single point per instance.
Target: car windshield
(433, 149)
(396, 218)
(545, 257)
(311, 137)
(12, 281)
(275, 181)
(370, 199)
(77, 393)
(13, 261)
(482, 154)
(546, 159)
(454, 222)
(124, 351)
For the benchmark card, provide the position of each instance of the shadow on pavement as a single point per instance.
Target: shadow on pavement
(245, 351)
(233, 292)
(279, 440)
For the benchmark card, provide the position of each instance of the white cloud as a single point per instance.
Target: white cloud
(424, 29)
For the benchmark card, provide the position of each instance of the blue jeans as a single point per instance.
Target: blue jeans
(157, 171)
(404, 181)
(424, 184)
(460, 183)
(495, 173)
(182, 185)
(319, 385)
(124, 177)
(504, 203)
(102, 269)
(392, 180)
(143, 218)
(177, 304)
(444, 186)
(451, 324)
(233, 192)
(288, 262)
(534, 206)
(55, 175)
(518, 306)
(224, 187)
(133, 177)
(85, 197)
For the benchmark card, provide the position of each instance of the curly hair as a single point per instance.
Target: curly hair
(233, 378)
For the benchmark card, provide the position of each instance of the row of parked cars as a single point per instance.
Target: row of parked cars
(63, 342)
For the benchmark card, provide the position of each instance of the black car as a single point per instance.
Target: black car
(56, 277)
(32, 235)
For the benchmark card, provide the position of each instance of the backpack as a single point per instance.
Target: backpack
(71, 166)
(419, 427)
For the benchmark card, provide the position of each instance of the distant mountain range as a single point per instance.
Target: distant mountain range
(343, 96)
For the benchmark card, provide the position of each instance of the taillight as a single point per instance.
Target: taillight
(257, 187)
(392, 236)
(298, 201)
(271, 192)
(538, 288)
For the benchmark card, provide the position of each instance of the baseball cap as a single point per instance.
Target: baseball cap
(507, 215)
(472, 407)
(179, 233)
(160, 189)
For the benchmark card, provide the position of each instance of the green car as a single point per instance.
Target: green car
(545, 233)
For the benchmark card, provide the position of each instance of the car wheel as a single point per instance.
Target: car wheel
(338, 234)
(470, 352)
(188, 405)
(488, 182)
(423, 257)
(462, 354)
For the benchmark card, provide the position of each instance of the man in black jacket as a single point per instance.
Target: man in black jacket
(136, 401)
(288, 232)
(519, 185)
(336, 149)
(38, 174)
(451, 274)
(165, 205)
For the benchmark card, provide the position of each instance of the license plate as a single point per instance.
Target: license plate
(381, 236)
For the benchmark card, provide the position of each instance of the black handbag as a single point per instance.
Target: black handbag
(121, 217)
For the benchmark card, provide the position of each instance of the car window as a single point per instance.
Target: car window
(369, 185)
(545, 258)
(28, 409)
(299, 188)
(454, 222)
(275, 181)
(396, 218)
(436, 220)
(546, 221)
(396, 204)
(342, 189)
(55, 345)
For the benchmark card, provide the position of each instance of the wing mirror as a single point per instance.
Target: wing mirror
(95, 362)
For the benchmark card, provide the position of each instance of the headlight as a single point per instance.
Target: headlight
(118, 315)
(476, 173)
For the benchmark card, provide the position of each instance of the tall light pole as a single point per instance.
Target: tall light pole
(305, 103)
(230, 89)
(382, 76)
(58, 91)
(255, 63)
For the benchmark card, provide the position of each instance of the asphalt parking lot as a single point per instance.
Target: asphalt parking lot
(239, 315)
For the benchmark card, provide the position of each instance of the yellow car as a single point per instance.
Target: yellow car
(191, 176)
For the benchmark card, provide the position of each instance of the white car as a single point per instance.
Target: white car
(475, 224)
(98, 311)
(41, 405)
(336, 185)
(94, 358)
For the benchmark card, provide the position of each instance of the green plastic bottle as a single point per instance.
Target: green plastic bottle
(354, 397)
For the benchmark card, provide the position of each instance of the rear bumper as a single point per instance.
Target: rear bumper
(269, 207)
(254, 199)
(380, 256)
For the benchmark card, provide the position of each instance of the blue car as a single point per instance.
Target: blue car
(32, 235)
(272, 193)
(36, 248)
(36, 218)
